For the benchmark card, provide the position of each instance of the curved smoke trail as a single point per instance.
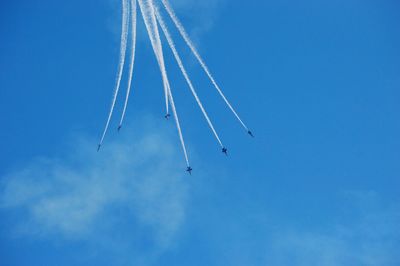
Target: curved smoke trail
(124, 37)
(133, 48)
(152, 29)
(185, 36)
(146, 6)
(178, 126)
(179, 61)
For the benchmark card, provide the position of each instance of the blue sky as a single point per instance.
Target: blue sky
(317, 81)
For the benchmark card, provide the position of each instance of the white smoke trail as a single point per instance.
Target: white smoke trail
(133, 48)
(124, 37)
(152, 29)
(179, 61)
(185, 36)
(146, 6)
(178, 126)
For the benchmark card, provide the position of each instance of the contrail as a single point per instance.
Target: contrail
(124, 36)
(160, 51)
(178, 126)
(133, 48)
(157, 47)
(152, 30)
(179, 61)
(185, 36)
(153, 19)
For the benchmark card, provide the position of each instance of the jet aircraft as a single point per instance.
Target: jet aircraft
(189, 170)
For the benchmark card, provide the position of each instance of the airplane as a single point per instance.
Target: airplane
(167, 116)
(225, 150)
(250, 133)
(189, 170)
(98, 147)
(119, 128)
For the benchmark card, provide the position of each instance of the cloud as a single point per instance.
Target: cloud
(356, 228)
(368, 235)
(132, 191)
(201, 15)
(198, 10)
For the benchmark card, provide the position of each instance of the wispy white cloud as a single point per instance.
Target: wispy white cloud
(368, 235)
(136, 183)
(364, 229)
(200, 14)
(198, 10)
